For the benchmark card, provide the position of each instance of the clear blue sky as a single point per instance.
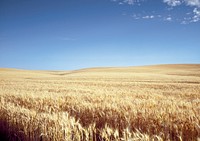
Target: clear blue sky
(73, 34)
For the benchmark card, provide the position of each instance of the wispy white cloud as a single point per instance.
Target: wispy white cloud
(193, 16)
(184, 18)
(148, 17)
(169, 18)
(145, 16)
(196, 16)
(130, 2)
(136, 17)
(193, 2)
(185, 2)
(173, 2)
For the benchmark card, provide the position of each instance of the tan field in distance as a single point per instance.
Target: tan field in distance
(147, 103)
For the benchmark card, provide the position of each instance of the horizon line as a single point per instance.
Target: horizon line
(101, 67)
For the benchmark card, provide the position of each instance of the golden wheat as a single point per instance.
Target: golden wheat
(109, 104)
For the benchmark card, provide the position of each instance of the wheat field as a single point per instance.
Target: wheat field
(148, 103)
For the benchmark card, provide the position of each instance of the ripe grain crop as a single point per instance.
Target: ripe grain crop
(101, 104)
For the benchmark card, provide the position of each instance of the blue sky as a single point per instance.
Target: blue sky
(74, 34)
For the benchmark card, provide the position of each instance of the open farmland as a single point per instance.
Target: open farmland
(110, 104)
